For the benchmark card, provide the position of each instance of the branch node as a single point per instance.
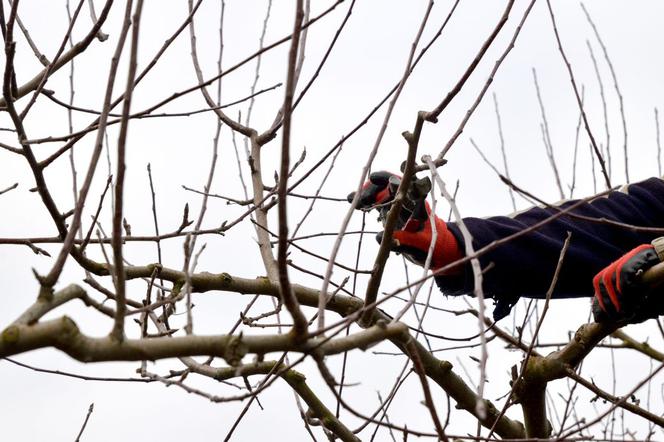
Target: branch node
(225, 279)
(235, 351)
(445, 366)
(430, 117)
(45, 291)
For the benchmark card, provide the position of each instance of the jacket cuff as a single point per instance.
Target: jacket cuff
(658, 244)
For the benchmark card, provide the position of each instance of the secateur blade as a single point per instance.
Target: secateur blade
(414, 212)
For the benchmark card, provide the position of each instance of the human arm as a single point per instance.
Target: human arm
(519, 253)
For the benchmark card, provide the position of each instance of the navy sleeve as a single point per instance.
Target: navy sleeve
(525, 266)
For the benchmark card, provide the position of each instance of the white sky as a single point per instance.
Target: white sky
(367, 61)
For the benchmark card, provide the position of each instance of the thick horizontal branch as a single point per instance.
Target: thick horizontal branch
(64, 335)
(204, 282)
(21, 338)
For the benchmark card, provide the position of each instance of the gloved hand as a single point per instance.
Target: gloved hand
(619, 292)
(378, 191)
(413, 233)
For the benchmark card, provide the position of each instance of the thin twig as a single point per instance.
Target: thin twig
(72, 161)
(41, 57)
(53, 65)
(548, 145)
(492, 74)
(75, 375)
(390, 223)
(576, 147)
(85, 422)
(65, 58)
(288, 297)
(97, 124)
(477, 283)
(93, 16)
(70, 236)
(419, 369)
(600, 83)
(120, 289)
(615, 404)
(578, 98)
(12, 187)
(615, 85)
(502, 147)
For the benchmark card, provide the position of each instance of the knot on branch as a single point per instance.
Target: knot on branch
(265, 282)
(155, 267)
(69, 331)
(235, 350)
(582, 335)
(225, 279)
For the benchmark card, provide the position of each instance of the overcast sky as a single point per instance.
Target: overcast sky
(368, 59)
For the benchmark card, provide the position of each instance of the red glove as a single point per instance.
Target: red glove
(413, 234)
(414, 239)
(619, 293)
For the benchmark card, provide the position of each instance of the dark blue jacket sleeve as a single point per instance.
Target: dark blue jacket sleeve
(525, 266)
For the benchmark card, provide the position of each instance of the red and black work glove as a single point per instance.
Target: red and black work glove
(619, 292)
(413, 233)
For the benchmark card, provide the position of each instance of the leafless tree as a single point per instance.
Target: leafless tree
(185, 152)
